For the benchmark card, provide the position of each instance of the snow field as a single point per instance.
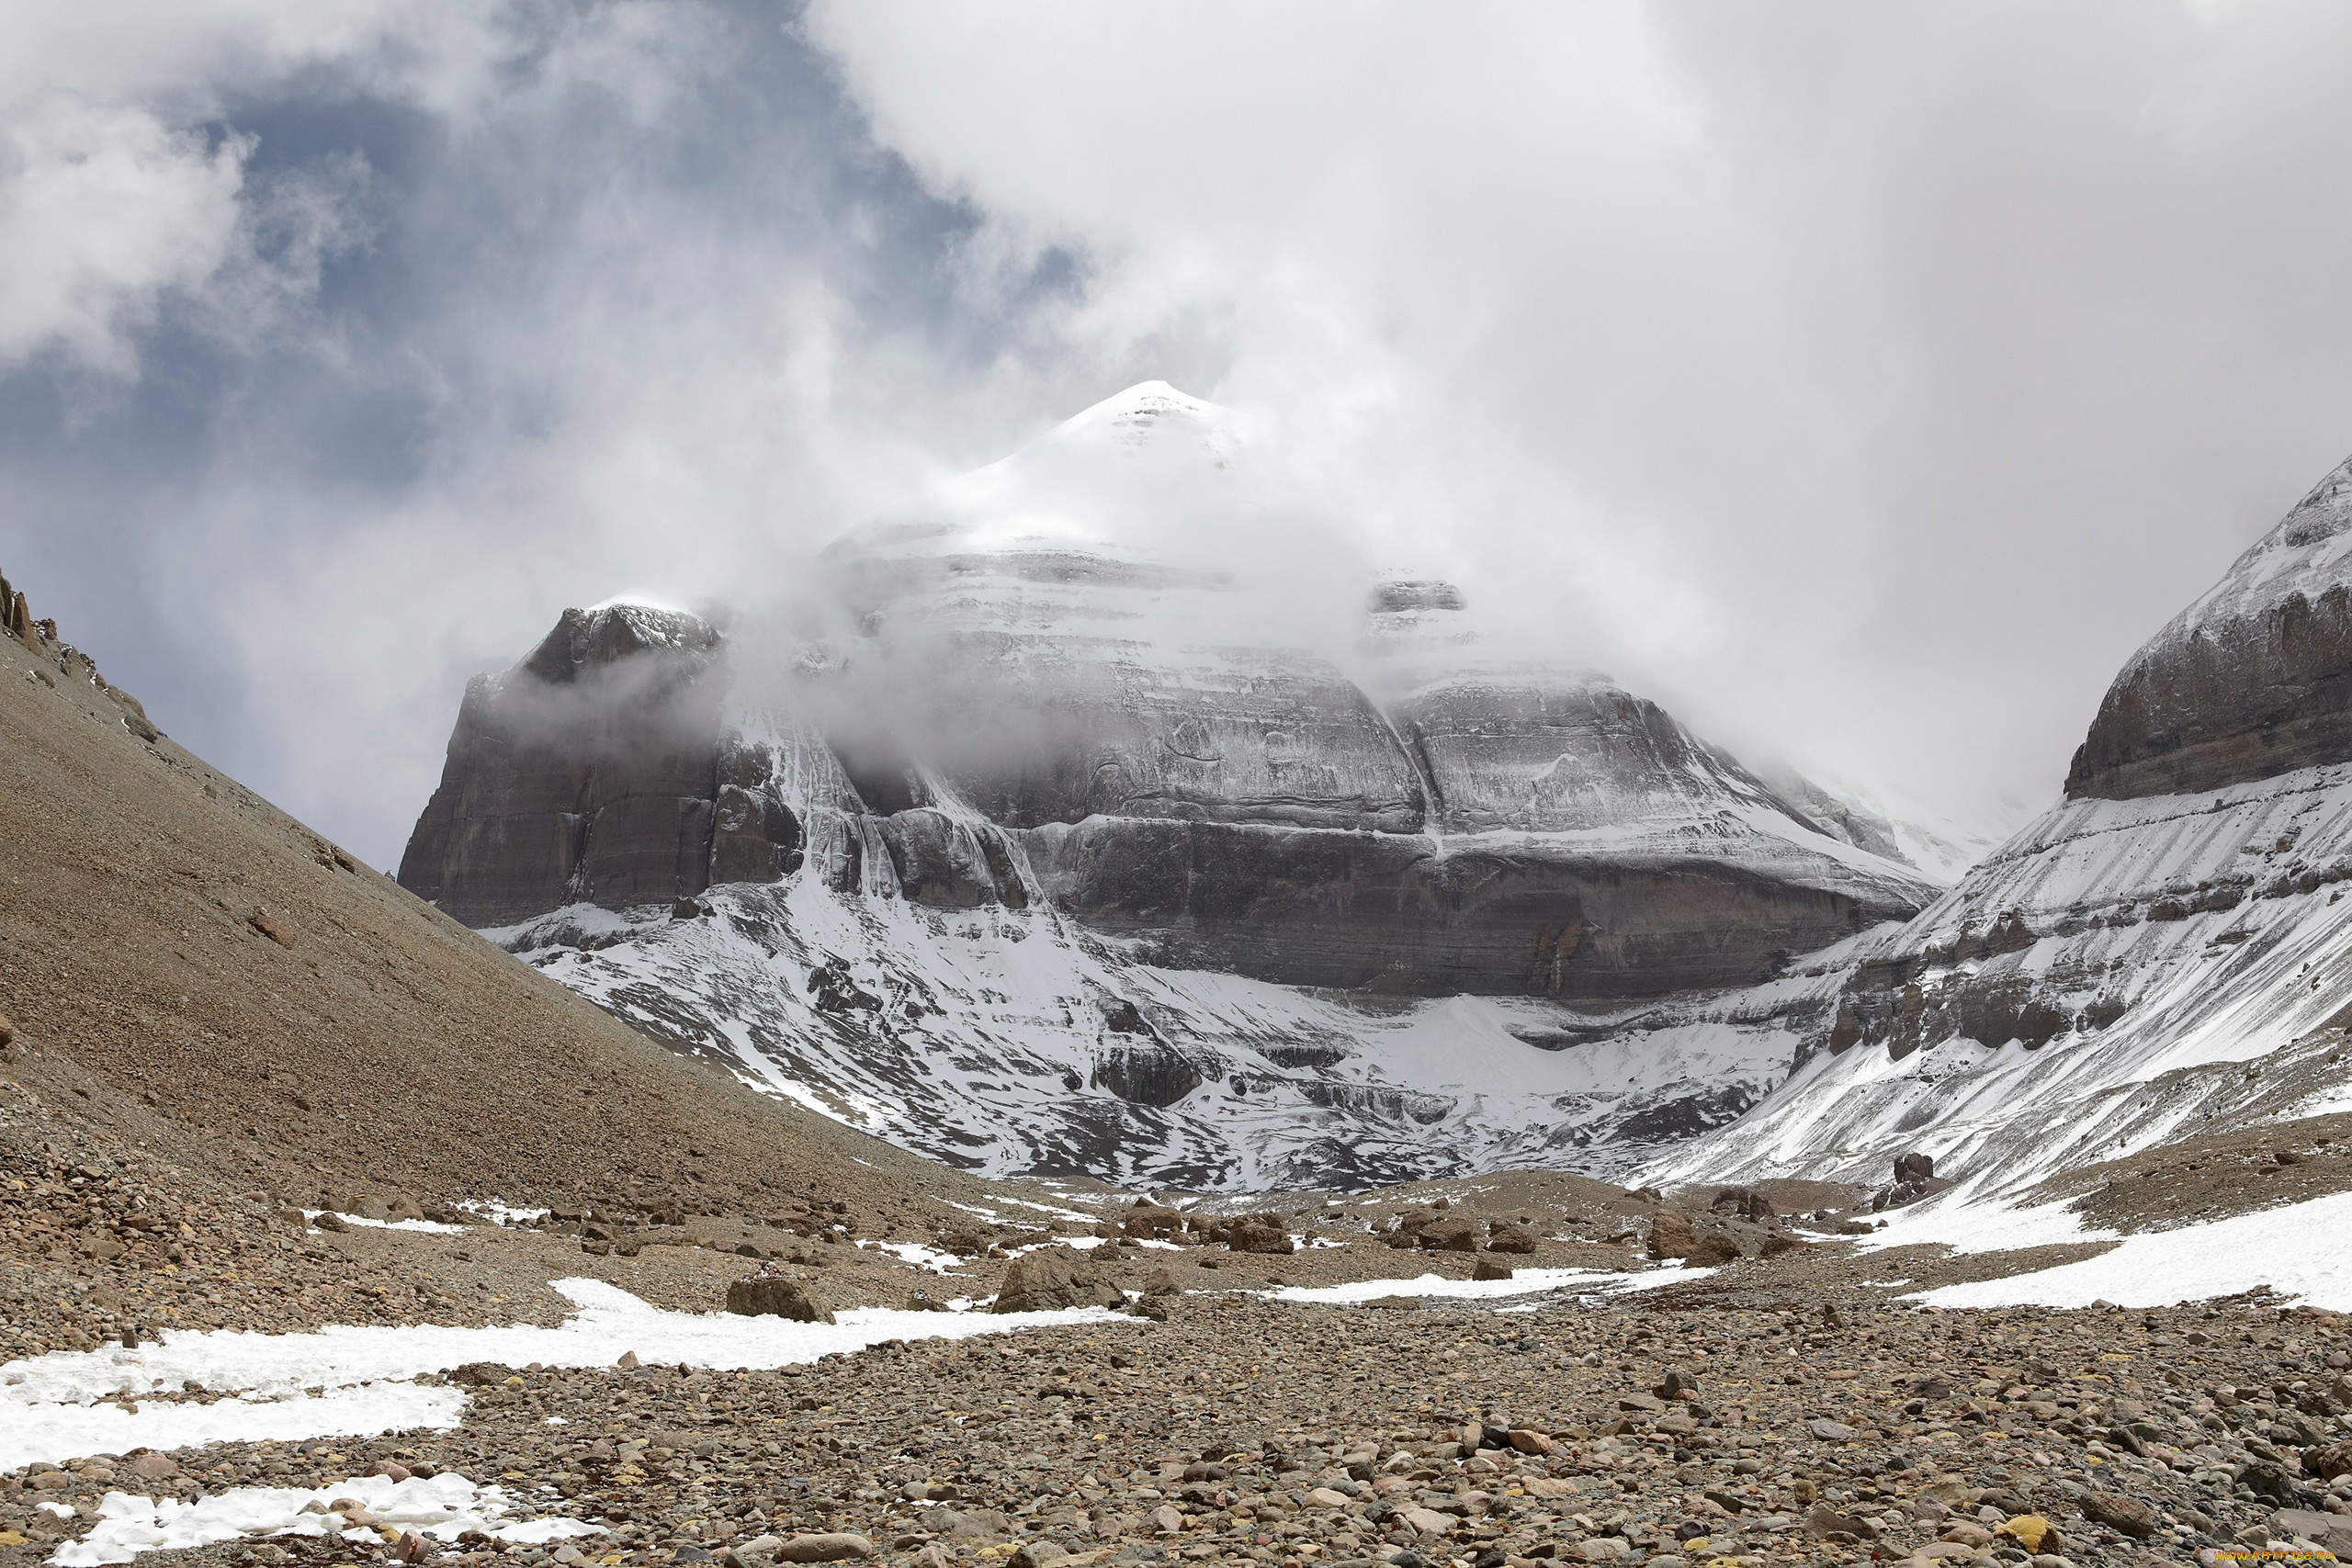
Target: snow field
(57, 1432)
(2297, 1250)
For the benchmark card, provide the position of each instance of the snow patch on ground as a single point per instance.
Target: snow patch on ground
(439, 1509)
(916, 1253)
(2294, 1249)
(50, 1409)
(1524, 1283)
(435, 1227)
(1961, 1220)
(57, 1430)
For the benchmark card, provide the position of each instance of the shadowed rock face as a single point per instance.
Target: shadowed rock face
(1392, 912)
(2252, 680)
(589, 772)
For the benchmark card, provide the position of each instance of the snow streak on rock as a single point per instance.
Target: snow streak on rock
(1009, 1040)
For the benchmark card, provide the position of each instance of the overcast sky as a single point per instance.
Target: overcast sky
(1864, 381)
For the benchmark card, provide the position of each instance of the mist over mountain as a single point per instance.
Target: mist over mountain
(996, 722)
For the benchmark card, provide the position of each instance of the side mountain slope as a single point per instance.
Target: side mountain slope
(2163, 954)
(202, 964)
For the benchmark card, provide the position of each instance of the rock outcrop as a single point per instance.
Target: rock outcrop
(589, 773)
(776, 1296)
(1518, 831)
(1414, 915)
(1054, 1278)
(2253, 680)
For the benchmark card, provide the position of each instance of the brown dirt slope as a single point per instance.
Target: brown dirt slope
(298, 1019)
(2212, 1177)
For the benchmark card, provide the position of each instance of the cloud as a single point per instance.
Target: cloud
(121, 189)
(1866, 382)
(489, 317)
(103, 209)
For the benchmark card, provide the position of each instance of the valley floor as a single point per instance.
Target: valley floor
(1815, 1406)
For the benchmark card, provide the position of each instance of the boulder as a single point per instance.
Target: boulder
(1825, 1523)
(1148, 1221)
(963, 1242)
(2333, 1531)
(1427, 1521)
(1259, 1233)
(1712, 1250)
(1450, 1236)
(1054, 1278)
(1517, 1240)
(2328, 1462)
(1249, 1233)
(831, 1548)
(2126, 1516)
(1670, 1235)
(1742, 1204)
(777, 1297)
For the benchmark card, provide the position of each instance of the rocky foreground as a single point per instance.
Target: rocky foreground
(1511, 1431)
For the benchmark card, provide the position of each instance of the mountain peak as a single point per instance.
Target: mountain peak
(605, 634)
(2253, 680)
(1150, 417)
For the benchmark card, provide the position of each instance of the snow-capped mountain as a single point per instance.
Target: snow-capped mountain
(1048, 848)
(2166, 952)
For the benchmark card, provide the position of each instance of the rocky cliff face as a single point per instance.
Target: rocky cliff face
(2252, 680)
(589, 772)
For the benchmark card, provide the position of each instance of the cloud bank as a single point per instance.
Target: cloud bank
(1864, 383)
